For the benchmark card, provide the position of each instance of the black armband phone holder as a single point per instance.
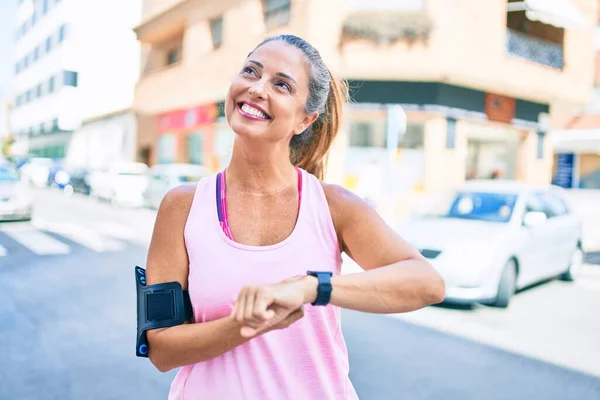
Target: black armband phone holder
(158, 306)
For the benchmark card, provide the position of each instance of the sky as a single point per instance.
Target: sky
(8, 9)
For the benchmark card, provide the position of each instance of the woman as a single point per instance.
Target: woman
(241, 243)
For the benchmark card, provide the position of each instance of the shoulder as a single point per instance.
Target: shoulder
(176, 204)
(345, 206)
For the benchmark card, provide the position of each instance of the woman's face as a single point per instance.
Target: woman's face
(266, 99)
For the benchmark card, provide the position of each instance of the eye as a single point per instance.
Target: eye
(284, 85)
(249, 71)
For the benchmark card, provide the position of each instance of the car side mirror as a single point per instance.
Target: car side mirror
(533, 219)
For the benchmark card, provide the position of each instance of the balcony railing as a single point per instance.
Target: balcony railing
(534, 49)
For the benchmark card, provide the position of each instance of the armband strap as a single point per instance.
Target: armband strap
(159, 306)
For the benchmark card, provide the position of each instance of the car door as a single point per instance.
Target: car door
(534, 252)
(564, 233)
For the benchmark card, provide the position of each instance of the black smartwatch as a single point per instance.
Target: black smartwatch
(324, 287)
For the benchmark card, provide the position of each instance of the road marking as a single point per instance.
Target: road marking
(81, 235)
(36, 241)
(123, 232)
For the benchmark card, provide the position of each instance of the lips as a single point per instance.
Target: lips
(253, 111)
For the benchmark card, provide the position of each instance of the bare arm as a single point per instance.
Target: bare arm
(397, 277)
(168, 262)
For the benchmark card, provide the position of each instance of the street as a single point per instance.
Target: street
(67, 324)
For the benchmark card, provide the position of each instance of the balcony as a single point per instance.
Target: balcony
(534, 49)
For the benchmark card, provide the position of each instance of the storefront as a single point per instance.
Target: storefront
(195, 135)
(576, 159)
(452, 134)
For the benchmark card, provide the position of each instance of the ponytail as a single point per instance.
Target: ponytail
(309, 150)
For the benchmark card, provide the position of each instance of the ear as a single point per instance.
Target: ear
(305, 123)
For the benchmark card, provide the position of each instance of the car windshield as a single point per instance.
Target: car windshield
(482, 206)
(8, 175)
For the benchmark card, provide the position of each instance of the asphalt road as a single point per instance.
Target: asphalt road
(67, 324)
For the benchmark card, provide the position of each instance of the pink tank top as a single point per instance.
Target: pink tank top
(308, 360)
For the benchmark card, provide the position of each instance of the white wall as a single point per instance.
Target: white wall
(103, 142)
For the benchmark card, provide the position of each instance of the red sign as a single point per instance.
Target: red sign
(500, 108)
(187, 118)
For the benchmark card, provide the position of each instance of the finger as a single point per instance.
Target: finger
(241, 306)
(249, 307)
(260, 307)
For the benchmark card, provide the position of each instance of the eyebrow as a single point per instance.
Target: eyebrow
(277, 73)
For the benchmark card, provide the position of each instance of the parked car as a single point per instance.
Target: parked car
(78, 181)
(164, 177)
(37, 170)
(491, 238)
(16, 197)
(122, 184)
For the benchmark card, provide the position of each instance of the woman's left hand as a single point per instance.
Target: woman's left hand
(254, 307)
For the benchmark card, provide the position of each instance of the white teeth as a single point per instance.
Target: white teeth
(253, 111)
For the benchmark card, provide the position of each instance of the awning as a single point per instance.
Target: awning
(560, 13)
(576, 140)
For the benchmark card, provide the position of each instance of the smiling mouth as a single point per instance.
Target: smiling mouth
(251, 112)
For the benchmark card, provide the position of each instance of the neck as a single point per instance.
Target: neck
(260, 169)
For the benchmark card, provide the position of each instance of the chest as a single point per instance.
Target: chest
(258, 220)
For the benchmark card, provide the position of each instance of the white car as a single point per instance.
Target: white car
(37, 170)
(16, 196)
(489, 239)
(123, 184)
(164, 177)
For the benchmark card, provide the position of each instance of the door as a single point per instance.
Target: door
(536, 252)
(563, 234)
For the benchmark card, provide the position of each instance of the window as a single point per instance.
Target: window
(26, 62)
(62, 33)
(18, 100)
(27, 97)
(48, 44)
(70, 78)
(38, 91)
(36, 53)
(554, 205)
(413, 138)
(361, 135)
(216, 31)
(173, 56)
(51, 85)
(17, 68)
(195, 148)
(535, 204)
(45, 7)
(277, 12)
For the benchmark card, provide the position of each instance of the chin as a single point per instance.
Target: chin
(243, 129)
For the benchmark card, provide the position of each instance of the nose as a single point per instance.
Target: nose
(257, 89)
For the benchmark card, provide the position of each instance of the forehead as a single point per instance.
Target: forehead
(281, 57)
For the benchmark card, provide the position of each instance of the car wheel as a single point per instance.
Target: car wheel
(574, 266)
(507, 285)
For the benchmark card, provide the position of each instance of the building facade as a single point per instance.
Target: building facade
(74, 61)
(477, 82)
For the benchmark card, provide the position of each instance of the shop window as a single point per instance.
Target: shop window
(166, 148)
(195, 148)
(277, 12)
(216, 31)
(414, 137)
